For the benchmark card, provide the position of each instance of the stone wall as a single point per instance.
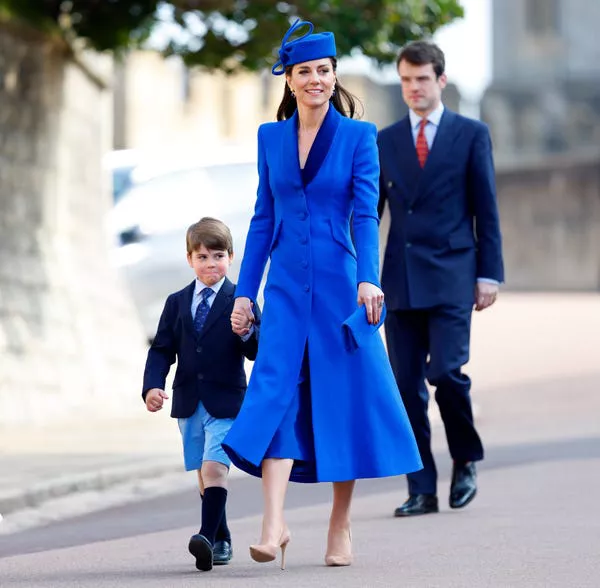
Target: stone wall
(70, 344)
(545, 95)
(542, 118)
(550, 214)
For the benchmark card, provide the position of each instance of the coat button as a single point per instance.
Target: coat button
(303, 216)
(390, 184)
(304, 264)
(410, 211)
(306, 287)
(198, 349)
(201, 376)
(409, 245)
(304, 240)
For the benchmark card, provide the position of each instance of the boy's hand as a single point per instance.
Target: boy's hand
(242, 316)
(155, 398)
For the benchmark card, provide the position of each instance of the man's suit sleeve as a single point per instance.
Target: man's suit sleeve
(382, 187)
(482, 190)
(162, 352)
(365, 176)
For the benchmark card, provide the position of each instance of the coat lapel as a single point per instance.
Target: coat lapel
(219, 306)
(289, 152)
(442, 146)
(186, 309)
(410, 171)
(320, 148)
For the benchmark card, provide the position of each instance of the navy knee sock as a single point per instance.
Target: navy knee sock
(223, 532)
(213, 507)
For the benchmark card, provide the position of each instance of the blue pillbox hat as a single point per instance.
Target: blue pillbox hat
(305, 48)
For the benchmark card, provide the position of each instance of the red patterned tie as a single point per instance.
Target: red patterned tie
(422, 148)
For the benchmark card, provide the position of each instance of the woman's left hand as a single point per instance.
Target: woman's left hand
(372, 297)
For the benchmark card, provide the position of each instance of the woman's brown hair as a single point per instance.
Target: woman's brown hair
(344, 102)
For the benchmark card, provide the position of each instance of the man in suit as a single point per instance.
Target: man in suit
(443, 258)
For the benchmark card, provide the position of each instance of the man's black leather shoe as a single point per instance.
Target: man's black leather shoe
(202, 550)
(464, 484)
(418, 504)
(222, 553)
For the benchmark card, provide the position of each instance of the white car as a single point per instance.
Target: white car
(149, 222)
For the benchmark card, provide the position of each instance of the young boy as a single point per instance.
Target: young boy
(210, 380)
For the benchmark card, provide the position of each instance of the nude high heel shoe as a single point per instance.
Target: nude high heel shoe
(264, 552)
(339, 559)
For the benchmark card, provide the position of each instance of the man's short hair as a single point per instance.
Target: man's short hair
(422, 53)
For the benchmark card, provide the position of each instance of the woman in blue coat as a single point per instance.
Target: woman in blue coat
(322, 403)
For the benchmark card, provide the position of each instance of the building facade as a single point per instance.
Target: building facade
(545, 93)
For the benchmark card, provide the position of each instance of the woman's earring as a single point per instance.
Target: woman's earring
(293, 93)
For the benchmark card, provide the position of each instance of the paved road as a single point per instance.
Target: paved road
(536, 522)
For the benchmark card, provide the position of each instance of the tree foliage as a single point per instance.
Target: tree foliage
(235, 34)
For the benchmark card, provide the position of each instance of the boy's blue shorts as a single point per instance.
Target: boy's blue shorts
(202, 435)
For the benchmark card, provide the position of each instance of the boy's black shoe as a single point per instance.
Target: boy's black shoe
(222, 553)
(202, 550)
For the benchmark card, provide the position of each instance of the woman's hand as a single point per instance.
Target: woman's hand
(242, 316)
(372, 297)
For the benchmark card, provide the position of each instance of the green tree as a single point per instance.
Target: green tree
(235, 34)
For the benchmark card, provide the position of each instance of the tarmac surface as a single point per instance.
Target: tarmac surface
(108, 504)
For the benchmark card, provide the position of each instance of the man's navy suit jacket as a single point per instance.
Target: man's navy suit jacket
(444, 231)
(210, 365)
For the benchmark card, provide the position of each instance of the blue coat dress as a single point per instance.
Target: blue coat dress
(337, 412)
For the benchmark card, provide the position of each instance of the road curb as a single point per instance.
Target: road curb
(16, 499)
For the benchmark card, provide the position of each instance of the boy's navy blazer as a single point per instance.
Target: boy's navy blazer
(444, 231)
(210, 365)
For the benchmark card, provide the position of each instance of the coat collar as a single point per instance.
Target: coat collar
(320, 147)
(289, 148)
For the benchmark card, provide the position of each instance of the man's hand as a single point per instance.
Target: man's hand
(155, 398)
(372, 297)
(485, 295)
(242, 316)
